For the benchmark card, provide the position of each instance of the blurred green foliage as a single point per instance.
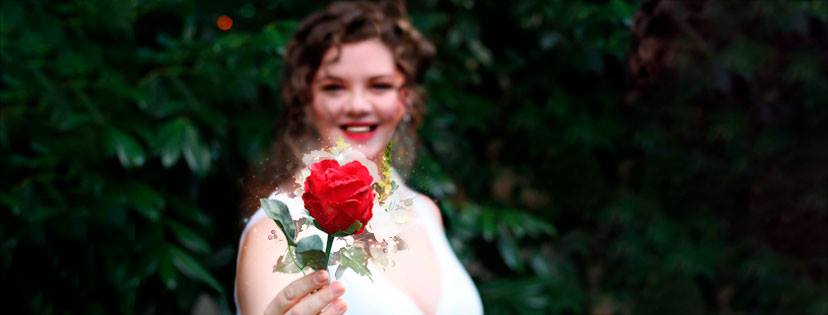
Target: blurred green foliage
(603, 157)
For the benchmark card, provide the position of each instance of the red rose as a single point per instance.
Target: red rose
(337, 196)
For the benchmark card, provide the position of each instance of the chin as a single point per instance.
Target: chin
(371, 150)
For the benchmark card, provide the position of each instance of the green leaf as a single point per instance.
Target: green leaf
(189, 212)
(130, 153)
(488, 224)
(340, 270)
(522, 224)
(480, 52)
(188, 238)
(168, 274)
(310, 253)
(286, 263)
(509, 250)
(146, 201)
(148, 264)
(313, 242)
(278, 212)
(355, 258)
(351, 229)
(195, 151)
(192, 268)
(312, 258)
(171, 138)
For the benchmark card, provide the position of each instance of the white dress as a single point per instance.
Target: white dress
(458, 295)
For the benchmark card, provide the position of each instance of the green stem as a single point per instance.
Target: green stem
(328, 250)
(293, 258)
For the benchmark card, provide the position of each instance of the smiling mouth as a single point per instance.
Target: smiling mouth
(359, 128)
(359, 132)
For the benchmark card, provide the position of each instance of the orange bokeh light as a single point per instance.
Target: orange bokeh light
(224, 23)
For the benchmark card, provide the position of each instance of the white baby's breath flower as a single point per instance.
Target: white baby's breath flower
(315, 156)
(388, 220)
(383, 225)
(300, 181)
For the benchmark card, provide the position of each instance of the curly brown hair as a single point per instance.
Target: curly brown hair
(342, 23)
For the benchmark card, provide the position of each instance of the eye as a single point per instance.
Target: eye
(332, 87)
(382, 86)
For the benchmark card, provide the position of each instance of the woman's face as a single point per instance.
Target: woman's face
(357, 96)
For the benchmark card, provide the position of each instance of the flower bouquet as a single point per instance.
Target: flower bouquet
(351, 203)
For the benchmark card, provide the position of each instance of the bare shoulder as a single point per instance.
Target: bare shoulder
(258, 242)
(430, 205)
(256, 282)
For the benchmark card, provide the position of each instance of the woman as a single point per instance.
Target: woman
(351, 72)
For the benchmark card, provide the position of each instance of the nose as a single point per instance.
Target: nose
(359, 104)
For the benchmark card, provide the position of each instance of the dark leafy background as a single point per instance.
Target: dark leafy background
(602, 157)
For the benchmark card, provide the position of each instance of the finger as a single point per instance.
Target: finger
(337, 307)
(295, 291)
(313, 304)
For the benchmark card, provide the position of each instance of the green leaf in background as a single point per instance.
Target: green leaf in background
(509, 250)
(146, 201)
(195, 151)
(192, 268)
(170, 141)
(166, 271)
(188, 238)
(130, 153)
(524, 224)
(310, 252)
(487, 223)
(278, 212)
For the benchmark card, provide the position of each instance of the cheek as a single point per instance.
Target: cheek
(324, 111)
(391, 109)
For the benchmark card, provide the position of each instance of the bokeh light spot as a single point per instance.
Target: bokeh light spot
(224, 23)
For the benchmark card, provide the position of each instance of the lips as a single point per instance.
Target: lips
(359, 131)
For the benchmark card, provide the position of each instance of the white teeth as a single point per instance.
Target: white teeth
(358, 128)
